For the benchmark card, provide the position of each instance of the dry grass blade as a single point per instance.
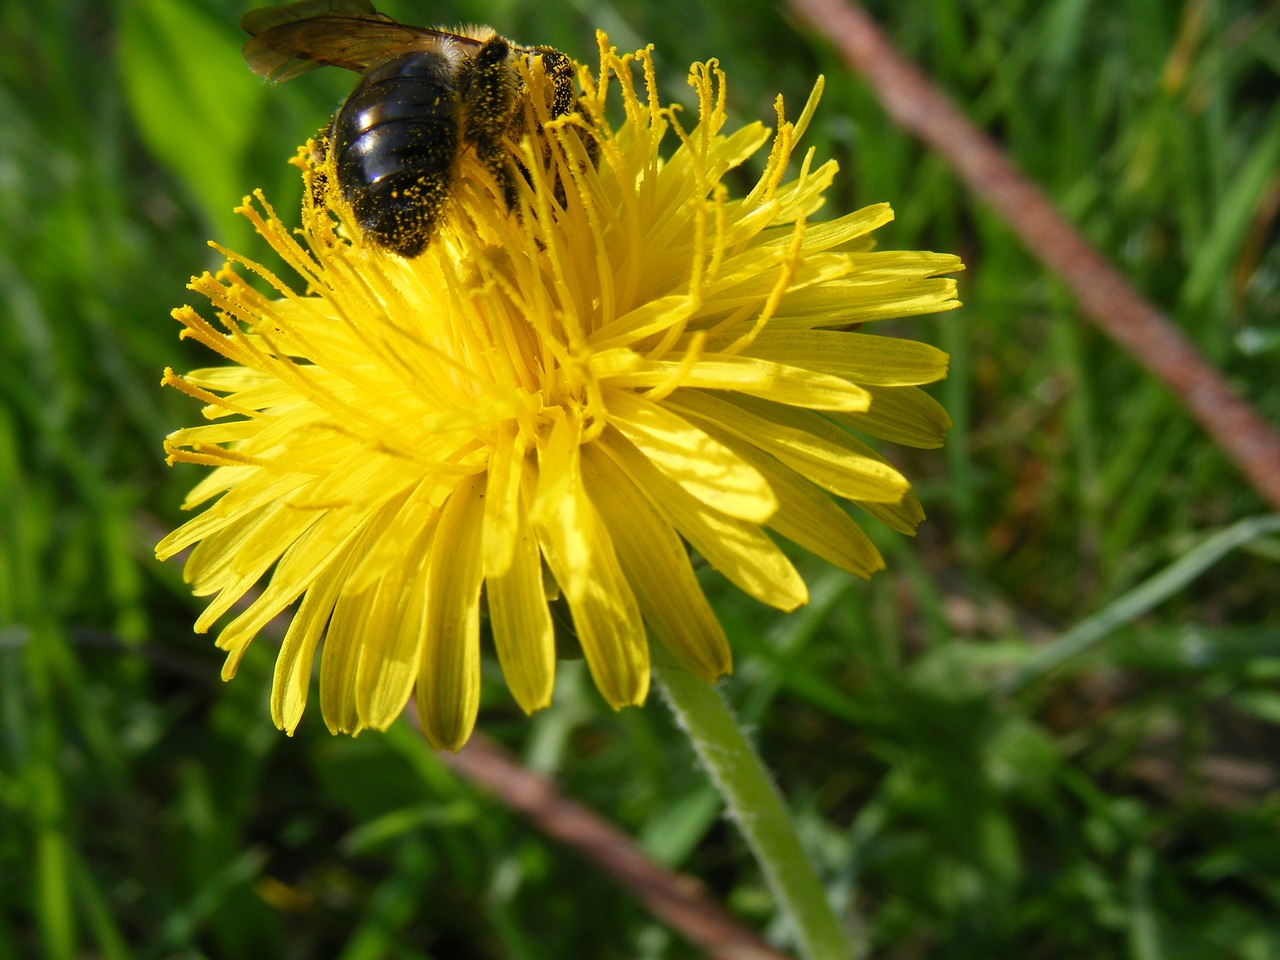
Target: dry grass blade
(677, 900)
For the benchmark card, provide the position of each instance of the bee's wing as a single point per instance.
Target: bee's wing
(286, 42)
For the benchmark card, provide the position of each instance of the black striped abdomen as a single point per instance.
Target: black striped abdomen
(395, 140)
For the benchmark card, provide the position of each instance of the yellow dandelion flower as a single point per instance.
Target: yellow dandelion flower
(558, 403)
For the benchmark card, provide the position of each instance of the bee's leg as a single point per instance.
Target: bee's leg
(561, 73)
(490, 89)
(316, 173)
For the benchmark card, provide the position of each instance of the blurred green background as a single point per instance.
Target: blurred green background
(962, 798)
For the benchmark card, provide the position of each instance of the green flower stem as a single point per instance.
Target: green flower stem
(756, 806)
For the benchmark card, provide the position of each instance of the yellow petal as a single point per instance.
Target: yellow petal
(706, 469)
(905, 415)
(306, 559)
(803, 441)
(394, 638)
(523, 633)
(229, 379)
(449, 684)
(656, 564)
(869, 275)
(651, 317)
(729, 151)
(837, 232)
(221, 565)
(361, 478)
(254, 495)
(292, 679)
(743, 284)
(557, 498)
(803, 198)
(580, 554)
(795, 386)
(861, 357)
(902, 517)
(340, 657)
(860, 299)
(418, 511)
(808, 517)
(904, 264)
(739, 550)
(247, 489)
(323, 529)
(229, 431)
(502, 501)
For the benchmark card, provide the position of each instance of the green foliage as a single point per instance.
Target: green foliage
(961, 797)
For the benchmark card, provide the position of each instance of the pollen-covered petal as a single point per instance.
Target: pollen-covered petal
(861, 357)
(656, 564)
(705, 468)
(580, 554)
(449, 685)
(739, 550)
(803, 440)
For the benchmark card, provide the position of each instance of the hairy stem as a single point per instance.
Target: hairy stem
(756, 806)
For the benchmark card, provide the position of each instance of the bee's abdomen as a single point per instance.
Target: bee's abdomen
(394, 141)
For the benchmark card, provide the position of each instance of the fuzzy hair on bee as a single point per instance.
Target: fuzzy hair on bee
(428, 99)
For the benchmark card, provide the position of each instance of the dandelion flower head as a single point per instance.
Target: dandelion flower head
(554, 405)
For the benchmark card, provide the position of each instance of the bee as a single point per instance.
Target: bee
(427, 98)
